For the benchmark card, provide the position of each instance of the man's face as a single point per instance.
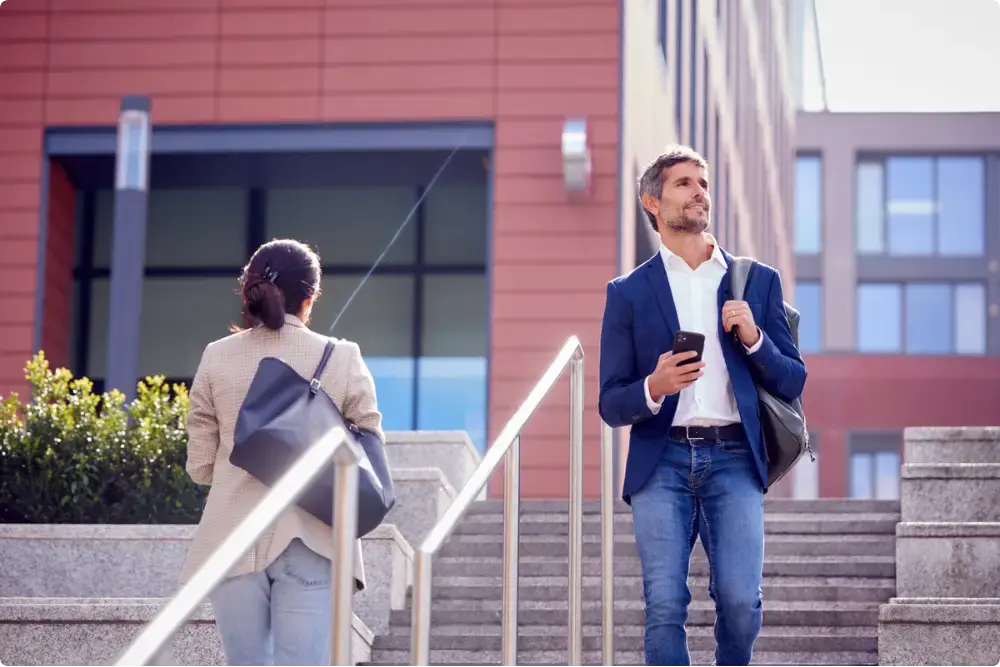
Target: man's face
(685, 204)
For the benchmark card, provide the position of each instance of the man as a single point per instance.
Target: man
(696, 462)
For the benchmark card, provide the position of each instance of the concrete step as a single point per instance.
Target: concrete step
(828, 589)
(532, 657)
(632, 613)
(771, 505)
(774, 566)
(554, 638)
(96, 631)
(485, 546)
(548, 523)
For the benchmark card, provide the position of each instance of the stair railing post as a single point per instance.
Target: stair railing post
(345, 527)
(511, 551)
(576, 382)
(607, 545)
(420, 627)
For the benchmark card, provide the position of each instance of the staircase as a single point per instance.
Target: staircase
(828, 566)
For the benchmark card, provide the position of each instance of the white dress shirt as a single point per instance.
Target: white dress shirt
(709, 400)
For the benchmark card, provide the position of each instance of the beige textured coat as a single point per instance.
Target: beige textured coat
(221, 383)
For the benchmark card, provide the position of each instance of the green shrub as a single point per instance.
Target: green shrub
(72, 456)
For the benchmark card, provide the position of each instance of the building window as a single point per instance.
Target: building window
(921, 206)
(808, 204)
(421, 318)
(809, 303)
(873, 466)
(921, 318)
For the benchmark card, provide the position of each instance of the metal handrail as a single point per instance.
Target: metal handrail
(336, 445)
(507, 444)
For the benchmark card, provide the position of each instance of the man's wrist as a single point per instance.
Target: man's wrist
(755, 344)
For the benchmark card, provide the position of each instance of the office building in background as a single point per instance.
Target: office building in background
(897, 251)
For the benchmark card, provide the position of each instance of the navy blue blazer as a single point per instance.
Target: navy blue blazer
(640, 321)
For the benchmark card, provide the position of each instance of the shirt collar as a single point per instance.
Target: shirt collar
(667, 254)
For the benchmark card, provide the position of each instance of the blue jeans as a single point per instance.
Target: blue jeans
(711, 490)
(280, 616)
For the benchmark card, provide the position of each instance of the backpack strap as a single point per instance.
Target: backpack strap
(314, 383)
(739, 275)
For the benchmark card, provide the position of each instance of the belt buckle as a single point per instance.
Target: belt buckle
(689, 437)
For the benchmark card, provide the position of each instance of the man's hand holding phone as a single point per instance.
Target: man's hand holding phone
(672, 374)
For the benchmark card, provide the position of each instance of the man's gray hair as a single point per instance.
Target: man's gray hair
(651, 181)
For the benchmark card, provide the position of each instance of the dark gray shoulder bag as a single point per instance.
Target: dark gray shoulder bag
(282, 416)
(786, 437)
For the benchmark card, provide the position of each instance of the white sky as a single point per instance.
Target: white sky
(909, 55)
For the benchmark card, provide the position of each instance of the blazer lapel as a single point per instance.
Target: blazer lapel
(656, 273)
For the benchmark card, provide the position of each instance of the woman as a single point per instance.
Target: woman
(274, 607)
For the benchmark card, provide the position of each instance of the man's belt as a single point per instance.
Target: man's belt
(706, 433)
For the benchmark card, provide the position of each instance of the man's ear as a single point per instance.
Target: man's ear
(651, 204)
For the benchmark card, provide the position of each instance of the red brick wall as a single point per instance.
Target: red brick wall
(872, 392)
(525, 63)
(22, 83)
(551, 258)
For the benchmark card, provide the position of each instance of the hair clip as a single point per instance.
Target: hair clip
(270, 275)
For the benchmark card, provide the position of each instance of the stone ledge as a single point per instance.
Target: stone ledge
(979, 444)
(951, 433)
(422, 496)
(951, 492)
(134, 561)
(941, 631)
(947, 559)
(934, 529)
(92, 631)
(96, 531)
(388, 564)
(962, 601)
(451, 451)
(950, 471)
(942, 610)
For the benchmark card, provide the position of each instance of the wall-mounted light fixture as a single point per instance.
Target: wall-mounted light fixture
(577, 167)
(128, 244)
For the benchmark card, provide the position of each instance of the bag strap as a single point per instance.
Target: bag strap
(314, 383)
(739, 276)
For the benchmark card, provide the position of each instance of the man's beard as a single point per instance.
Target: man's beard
(687, 225)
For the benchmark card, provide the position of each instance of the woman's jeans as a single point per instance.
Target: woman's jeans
(280, 616)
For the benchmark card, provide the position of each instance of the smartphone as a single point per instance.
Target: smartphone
(688, 341)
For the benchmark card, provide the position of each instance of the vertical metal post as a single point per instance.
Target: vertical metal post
(511, 542)
(576, 385)
(128, 245)
(607, 545)
(420, 626)
(345, 532)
